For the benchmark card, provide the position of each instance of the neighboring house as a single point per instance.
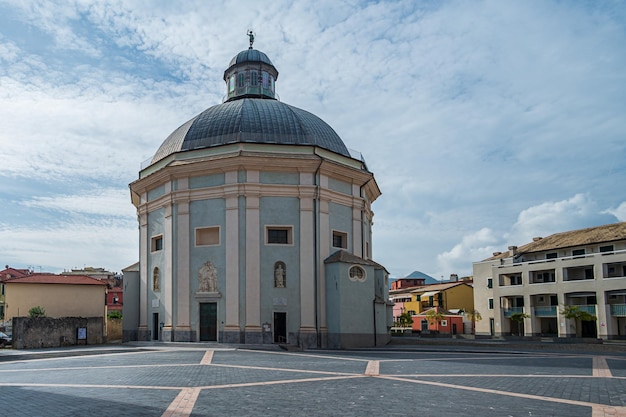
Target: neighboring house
(6, 274)
(130, 311)
(97, 273)
(115, 299)
(112, 279)
(584, 268)
(59, 295)
(401, 283)
(255, 226)
(448, 296)
(447, 323)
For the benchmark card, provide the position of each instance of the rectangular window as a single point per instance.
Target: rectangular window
(156, 243)
(608, 248)
(207, 236)
(578, 252)
(489, 283)
(552, 255)
(279, 235)
(340, 240)
(490, 301)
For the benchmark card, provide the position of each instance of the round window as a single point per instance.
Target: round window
(357, 273)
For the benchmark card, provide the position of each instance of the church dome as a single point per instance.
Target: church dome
(251, 114)
(252, 120)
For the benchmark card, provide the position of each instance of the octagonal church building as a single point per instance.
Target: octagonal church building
(255, 227)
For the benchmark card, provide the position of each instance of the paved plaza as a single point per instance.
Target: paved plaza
(200, 380)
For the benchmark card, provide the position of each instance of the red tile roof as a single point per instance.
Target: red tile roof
(57, 279)
(10, 273)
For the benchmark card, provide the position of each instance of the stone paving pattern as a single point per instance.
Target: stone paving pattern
(196, 380)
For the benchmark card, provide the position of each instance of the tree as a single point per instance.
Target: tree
(405, 320)
(434, 317)
(575, 313)
(37, 311)
(474, 316)
(519, 318)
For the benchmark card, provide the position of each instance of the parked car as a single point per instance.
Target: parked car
(5, 340)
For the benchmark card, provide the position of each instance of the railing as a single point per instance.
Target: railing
(618, 310)
(518, 262)
(545, 311)
(591, 309)
(508, 312)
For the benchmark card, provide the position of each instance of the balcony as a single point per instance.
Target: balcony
(545, 311)
(508, 312)
(542, 277)
(591, 309)
(614, 270)
(578, 273)
(618, 310)
(506, 280)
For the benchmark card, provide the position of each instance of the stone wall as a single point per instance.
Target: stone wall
(45, 332)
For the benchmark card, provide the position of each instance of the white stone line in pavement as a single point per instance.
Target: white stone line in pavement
(373, 368)
(207, 358)
(267, 368)
(281, 381)
(183, 404)
(601, 367)
(502, 376)
(308, 355)
(596, 408)
(38, 384)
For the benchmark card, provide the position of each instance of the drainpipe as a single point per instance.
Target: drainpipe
(316, 254)
(374, 311)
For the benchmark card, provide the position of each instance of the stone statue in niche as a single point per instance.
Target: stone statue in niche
(207, 278)
(279, 275)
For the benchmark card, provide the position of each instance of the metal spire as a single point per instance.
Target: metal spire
(251, 35)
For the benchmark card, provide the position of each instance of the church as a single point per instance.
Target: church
(255, 227)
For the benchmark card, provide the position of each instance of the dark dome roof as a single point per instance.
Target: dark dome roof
(252, 120)
(250, 55)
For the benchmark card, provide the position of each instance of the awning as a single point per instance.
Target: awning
(426, 295)
(580, 294)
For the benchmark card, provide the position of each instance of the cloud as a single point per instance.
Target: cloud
(489, 116)
(477, 246)
(541, 220)
(619, 212)
(104, 202)
(552, 217)
(70, 243)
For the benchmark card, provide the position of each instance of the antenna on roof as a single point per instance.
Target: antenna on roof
(251, 36)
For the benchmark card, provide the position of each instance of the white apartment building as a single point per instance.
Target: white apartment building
(585, 268)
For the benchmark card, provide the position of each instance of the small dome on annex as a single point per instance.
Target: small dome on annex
(251, 113)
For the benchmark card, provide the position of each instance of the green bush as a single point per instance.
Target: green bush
(37, 311)
(116, 314)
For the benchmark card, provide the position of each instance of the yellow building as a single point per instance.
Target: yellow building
(59, 295)
(448, 296)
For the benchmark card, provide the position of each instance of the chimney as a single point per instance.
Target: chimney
(454, 277)
(512, 250)
(497, 253)
(537, 238)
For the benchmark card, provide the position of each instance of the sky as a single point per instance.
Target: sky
(485, 123)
